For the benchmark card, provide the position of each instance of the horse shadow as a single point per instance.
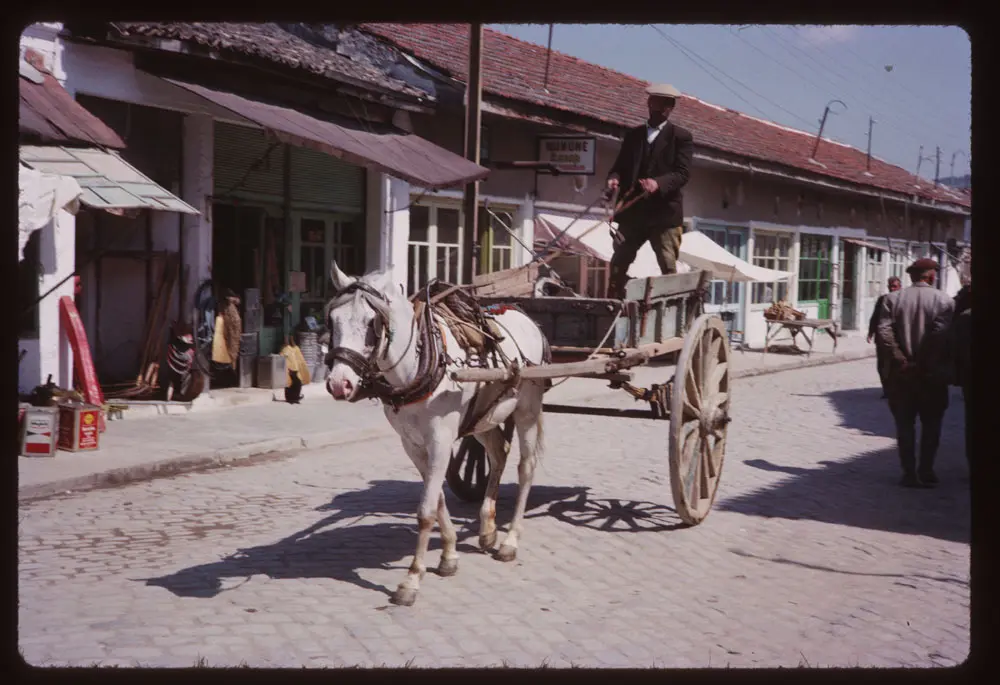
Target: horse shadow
(338, 548)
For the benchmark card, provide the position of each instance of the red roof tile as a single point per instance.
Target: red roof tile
(515, 69)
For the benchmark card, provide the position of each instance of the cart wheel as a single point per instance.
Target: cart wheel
(699, 418)
(469, 468)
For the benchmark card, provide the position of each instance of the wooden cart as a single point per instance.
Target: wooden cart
(660, 318)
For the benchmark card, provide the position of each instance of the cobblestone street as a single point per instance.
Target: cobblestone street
(813, 555)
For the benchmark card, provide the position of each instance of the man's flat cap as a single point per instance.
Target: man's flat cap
(663, 90)
(921, 265)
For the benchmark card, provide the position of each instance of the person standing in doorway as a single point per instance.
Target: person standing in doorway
(881, 354)
(914, 325)
(651, 169)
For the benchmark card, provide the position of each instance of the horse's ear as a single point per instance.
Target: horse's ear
(339, 278)
(383, 282)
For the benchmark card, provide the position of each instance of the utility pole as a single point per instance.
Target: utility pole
(473, 119)
(548, 58)
(868, 163)
(920, 160)
(937, 166)
(953, 155)
(822, 125)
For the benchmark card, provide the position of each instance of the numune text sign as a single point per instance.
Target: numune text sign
(571, 154)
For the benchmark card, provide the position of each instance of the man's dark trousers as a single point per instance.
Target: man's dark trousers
(911, 398)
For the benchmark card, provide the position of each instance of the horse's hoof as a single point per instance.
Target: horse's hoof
(448, 567)
(404, 597)
(507, 553)
(486, 542)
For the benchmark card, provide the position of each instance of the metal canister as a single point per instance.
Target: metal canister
(79, 427)
(39, 431)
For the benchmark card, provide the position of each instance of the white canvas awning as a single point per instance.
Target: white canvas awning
(698, 251)
(701, 252)
(40, 197)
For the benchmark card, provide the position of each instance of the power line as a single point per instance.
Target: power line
(881, 70)
(788, 46)
(677, 44)
(779, 62)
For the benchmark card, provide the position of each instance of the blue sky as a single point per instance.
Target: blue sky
(787, 74)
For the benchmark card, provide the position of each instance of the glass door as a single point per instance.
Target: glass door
(318, 239)
(725, 298)
(848, 286)
(814, 273)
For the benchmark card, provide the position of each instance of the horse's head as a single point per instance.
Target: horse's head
(358, 317)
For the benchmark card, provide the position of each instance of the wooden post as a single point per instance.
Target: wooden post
(473, 118)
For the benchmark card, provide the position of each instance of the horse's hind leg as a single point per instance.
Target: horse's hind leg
(493, 441)
(528, 418)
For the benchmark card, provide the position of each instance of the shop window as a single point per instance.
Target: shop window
(771, 251)
(496, 244)
(435, 245)
(874, 285)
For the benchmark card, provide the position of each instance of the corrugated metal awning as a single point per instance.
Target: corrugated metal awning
(48, 113)
(107, 180)
(402, 155)
(864, 243)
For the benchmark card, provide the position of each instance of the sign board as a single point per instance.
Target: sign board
(571, 154)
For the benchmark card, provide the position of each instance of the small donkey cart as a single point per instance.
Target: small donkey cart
(660, 319)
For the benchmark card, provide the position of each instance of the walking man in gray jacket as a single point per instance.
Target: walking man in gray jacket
(914, 327)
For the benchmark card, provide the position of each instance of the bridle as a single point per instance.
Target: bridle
(431, 366)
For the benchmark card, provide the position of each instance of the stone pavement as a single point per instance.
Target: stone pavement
(813, 554)
(252, 424)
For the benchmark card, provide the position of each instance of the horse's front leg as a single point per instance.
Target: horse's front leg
(431, 508)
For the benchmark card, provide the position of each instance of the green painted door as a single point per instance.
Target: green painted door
(814, 273)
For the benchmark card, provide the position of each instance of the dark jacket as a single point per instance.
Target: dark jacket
(962, 347)
(668, 163)
(873, 322)
(914, 324)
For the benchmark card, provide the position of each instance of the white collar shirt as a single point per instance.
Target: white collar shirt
(653, 131)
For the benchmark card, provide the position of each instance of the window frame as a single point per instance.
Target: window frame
(773, 261)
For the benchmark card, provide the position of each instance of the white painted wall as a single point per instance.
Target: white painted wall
(388, 225)
(50, 353)
(196, 189)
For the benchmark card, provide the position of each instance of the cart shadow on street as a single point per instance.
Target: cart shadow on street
(341, 551)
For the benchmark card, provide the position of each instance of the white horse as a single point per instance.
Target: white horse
(374, 334)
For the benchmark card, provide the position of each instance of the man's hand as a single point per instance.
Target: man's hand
(612, 184)
(649, 185)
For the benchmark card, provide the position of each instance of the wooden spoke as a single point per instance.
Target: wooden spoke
(720, 372)
(691, 390)
(704, 470)
(709, 459)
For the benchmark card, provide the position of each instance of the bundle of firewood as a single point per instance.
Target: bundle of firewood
(782, 311)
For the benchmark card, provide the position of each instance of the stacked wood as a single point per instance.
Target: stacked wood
(146, 381)
(782, 311)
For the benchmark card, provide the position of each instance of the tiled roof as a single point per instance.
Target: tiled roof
(276, 43)
(515, 69)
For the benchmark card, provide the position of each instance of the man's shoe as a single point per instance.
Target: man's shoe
(928, 478)
(910, 481)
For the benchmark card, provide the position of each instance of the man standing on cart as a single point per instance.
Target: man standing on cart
(650, 171)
